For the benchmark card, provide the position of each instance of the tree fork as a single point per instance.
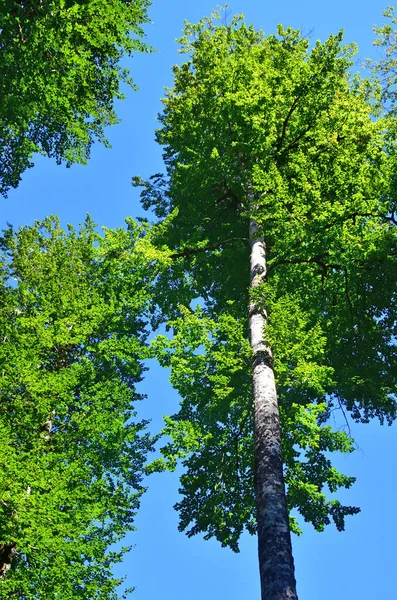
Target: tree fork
(276, 563)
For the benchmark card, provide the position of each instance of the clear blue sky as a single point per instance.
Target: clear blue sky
(164, 564)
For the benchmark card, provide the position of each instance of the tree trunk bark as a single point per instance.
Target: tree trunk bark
(276, 563)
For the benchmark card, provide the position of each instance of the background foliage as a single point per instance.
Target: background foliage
(72, 449)
(60, 74)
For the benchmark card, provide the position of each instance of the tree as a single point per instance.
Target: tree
(73, 451)
(385, 70)
(385, 66)
(60, 75)
(273, 160)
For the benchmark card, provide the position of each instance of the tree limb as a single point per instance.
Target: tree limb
(190, 251)
(286, 120)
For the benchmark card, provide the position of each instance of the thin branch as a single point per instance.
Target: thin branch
(295, 143)
(347, 292)
(354, 215)
(190, 251)
(286, 120)
(298, 242)
(344, 416)
(313, 260)
(237, 460)
(21, 34)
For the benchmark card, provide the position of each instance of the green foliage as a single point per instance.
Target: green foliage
(59, 76)
(212, 432)
(384, 69)
(73, 451)
(386, 40)
(271, 115)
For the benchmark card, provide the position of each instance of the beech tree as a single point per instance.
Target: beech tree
(73, 451)
(60, 74)
(384, 68)
(276, 210)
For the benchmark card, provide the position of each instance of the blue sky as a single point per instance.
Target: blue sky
(164, 563)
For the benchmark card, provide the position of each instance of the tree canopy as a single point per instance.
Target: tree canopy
(267, 116)
(60, 74)
(73, 451)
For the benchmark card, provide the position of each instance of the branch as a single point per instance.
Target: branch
(344, 416)
(190, 251)
(295, 143)
(353, 216)
(21, 34)
(298, 242)
(348, 293)
(230, 195)
(286, 120)
(237, 461)
(314, 260)
(392, 219)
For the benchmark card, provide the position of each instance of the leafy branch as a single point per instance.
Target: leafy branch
(186, 252)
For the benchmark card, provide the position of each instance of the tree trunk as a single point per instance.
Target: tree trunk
(276, 563)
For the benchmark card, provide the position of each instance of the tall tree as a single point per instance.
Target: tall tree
(60, 74)
(384, 68)
(73, 451)
(277, 192)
